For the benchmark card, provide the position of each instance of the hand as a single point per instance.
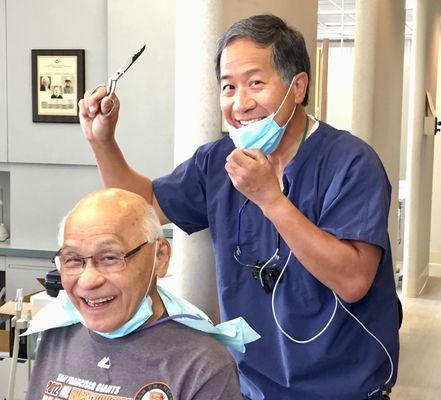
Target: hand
(92, 109)
(253, 175)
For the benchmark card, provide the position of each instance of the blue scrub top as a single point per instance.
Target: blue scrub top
(338, 182)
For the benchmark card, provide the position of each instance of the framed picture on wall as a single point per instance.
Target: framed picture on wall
(57, 85)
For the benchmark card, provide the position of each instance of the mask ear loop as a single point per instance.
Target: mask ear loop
(284, 99)
(153, 270)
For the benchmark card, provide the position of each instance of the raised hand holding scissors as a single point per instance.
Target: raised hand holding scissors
(98, 105)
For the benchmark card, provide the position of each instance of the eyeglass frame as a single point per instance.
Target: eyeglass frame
(266, 272)
(83, 267)
(238, 252)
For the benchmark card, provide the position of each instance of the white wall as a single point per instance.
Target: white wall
(420, 148)
(378, 86)
(435, 235)
(46, 24)
(339, 90)
(51, 165)
(405, 108)
(3, 108)
(146, 124)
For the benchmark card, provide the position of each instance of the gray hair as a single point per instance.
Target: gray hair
(150, 226)
(289, 55)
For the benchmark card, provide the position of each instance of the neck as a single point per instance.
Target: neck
(291, 140)
(157, 306)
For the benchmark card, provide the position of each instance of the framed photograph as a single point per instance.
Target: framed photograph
(57, 85)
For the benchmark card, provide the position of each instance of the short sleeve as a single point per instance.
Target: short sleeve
(223, 385)
(356, 198)
(182, 194)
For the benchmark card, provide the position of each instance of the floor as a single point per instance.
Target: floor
(419, 373)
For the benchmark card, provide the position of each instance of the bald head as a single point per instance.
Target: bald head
(113, 207)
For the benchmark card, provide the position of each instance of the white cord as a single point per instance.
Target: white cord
(378, 340)
(265, 265)
(337, 301)
(277, 321)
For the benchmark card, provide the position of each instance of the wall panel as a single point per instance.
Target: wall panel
(3, 108)
(146, 122)
(46, 24)
(40, 196)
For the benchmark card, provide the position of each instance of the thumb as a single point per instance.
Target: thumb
(107, 105)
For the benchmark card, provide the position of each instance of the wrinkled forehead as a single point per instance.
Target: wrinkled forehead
(91, 219)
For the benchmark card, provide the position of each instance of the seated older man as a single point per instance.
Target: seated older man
(116, 334)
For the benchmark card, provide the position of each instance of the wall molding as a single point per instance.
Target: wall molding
(414, 286)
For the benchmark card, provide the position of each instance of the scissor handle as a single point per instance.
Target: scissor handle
(110, 90)
(111, 87)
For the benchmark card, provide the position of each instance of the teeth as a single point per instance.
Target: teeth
(96, 302)
(250, 121)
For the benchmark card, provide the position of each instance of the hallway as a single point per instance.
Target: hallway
(420, 337)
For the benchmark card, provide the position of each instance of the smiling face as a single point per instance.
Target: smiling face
(251, 88)
(110, 222)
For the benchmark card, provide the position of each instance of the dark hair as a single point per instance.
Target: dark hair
(289, 55)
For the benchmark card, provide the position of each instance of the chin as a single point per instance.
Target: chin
(98, 326)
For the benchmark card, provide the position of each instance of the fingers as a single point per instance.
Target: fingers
(237, 161)
(95, 97)
(254, 154)
(243, 157)
(97, 102)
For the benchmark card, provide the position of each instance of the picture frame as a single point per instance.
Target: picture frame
(58, 81)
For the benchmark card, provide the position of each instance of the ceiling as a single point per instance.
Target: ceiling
(336, 19)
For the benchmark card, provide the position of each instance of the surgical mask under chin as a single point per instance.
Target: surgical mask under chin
(264, 135)
(142, 314)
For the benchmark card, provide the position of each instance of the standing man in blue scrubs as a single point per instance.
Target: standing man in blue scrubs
(298, 215)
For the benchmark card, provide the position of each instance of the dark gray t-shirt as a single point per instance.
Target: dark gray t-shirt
(165, 362)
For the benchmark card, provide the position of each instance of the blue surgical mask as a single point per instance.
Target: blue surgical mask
(264, 135)
(142, 314)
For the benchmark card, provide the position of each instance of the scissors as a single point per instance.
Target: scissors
(111, 86)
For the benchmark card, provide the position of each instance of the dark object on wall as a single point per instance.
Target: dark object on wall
(57, 85)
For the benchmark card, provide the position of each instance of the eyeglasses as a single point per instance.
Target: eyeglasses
(265, 271)
(106, 261)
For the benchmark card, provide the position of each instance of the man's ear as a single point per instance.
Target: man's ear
(163, 253)
(301, 85)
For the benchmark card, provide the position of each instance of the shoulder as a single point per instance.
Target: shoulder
(336, 141)
(66, 338)
(197, 345)
(215, 151)
(341, 149)
(200, 341)
(65, 333)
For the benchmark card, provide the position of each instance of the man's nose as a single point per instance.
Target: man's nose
(243, 101)
(90, 277)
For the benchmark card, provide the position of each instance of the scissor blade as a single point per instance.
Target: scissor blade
(131, 60)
